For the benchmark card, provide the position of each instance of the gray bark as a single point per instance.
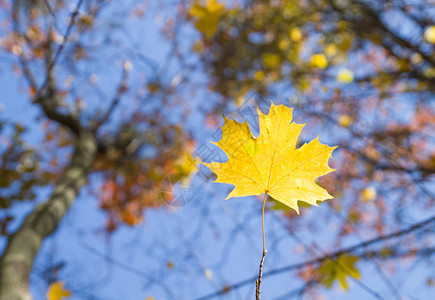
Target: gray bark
(24, 244)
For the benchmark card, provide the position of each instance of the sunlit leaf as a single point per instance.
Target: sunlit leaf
(259, 75)
(331, 50)
(368, 194)
(344, 75)
(270, 163)
(271, 60)
(429, 72)
(296, 34)
(318, 61)
(429, 34)
(345, 121)
(206, 16)
(56, 291)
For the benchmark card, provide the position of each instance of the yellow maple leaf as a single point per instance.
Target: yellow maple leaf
(271, 60)
(318, 61)
(338, 269)
(296, 34)
(331, 50)
(368, 194)
(271, 163)
(56, 291)
(207, 16)
(345, 120)
(259, 75)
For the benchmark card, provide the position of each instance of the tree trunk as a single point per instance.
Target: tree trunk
(24, 244)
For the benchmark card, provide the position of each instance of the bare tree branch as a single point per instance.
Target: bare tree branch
(317, 260)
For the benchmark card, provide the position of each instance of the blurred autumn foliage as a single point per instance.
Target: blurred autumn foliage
(358, 75)
(364, 72)
(112, 119)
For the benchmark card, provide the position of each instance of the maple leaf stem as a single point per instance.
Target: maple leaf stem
(262, 223)
(260, 274)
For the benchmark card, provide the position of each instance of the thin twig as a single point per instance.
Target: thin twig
(66, 36)
(260, 273)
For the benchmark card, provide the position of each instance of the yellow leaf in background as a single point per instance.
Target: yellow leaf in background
(198, 47)
(344, 75)
(429, 72)
(344, 41)
(296, 34)
(342, 25)
(368, 194)
(271, 60)
(186, 164)
(259, 75)
(403, 65)
(56, 291)
(271, 163)
(304, 84)
(345, 121)
(318, 61)
(283, 44)
(85, 20)
(429, 34)
(338, 269)
(331, 50)
(240, 95)
(386, 252)
(207, 16)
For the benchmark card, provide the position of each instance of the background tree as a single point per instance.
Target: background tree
(131, 149)
(121, 120)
